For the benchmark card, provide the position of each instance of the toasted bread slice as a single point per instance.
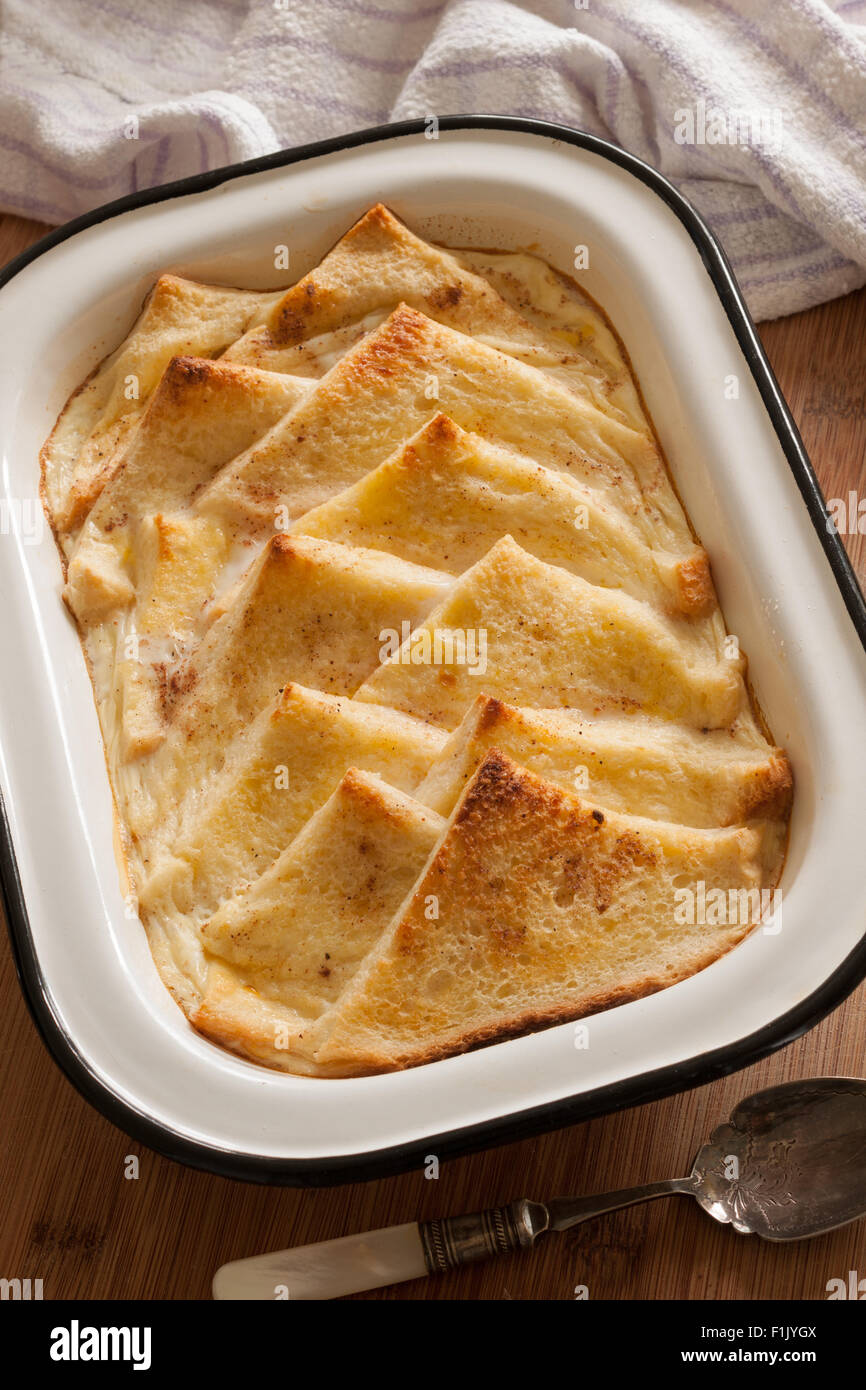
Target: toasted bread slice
(177, 559)
(237, 1017)
(276, 776)
(200, 416)
(405, 372)
(180, 316)
(380, 263)
(446, 495)
(536, 635)
(555, 305)
(546, 910)
(307, 611)
(631, 763)
(300, 932)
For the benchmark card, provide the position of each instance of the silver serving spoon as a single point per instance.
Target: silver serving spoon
(790, 1163)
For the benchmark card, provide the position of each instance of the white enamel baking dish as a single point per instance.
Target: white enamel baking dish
(785, 585)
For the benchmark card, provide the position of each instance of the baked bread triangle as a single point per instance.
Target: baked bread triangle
(179, 317)
(277, 774)
(516, 627)
(303, 928)
(446, 496)
(631, 763)
(547, 910)
(379, 263)
(201, 415)
(400, 375)
(309, 612)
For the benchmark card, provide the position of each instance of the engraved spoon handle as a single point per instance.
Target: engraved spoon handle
(371, 1259)
(568, 1211)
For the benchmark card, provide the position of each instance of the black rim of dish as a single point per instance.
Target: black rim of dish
(636, 1090)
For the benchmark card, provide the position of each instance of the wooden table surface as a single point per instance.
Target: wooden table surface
(72, 1219)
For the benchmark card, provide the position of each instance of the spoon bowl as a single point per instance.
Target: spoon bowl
(790, 1162)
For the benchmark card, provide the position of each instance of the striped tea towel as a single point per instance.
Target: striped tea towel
(757, 111)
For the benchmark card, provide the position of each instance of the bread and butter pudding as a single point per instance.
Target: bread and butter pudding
(423, 725)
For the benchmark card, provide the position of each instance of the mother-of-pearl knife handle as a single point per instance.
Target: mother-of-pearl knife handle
(373, 1258)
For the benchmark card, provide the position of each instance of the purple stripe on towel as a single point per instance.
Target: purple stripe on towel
(673, 60)
(396, 16)
(136, 19)
(794, 273)
(470, 67)
(790, 65)
(162, 152)
(28, 151)
(317, 48)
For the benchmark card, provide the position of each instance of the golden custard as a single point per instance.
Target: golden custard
(422, 721)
